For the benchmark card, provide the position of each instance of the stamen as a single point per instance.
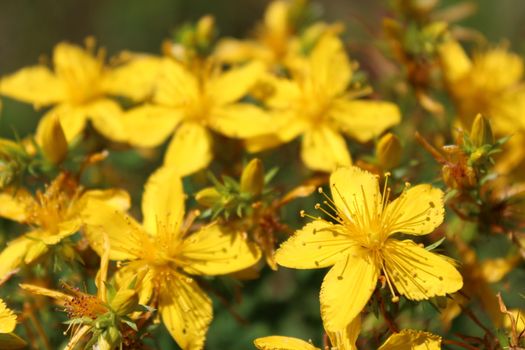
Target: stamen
(319, 207)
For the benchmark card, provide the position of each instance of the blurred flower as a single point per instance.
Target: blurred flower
(317, 105)
(79, 88)
(9, 340)
(168, 256)
(53, 215)
(189, 104)
(360, 245)
(491, 84)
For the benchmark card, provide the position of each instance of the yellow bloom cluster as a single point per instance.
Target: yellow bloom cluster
(291, 87)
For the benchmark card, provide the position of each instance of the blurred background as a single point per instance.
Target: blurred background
(285, 302)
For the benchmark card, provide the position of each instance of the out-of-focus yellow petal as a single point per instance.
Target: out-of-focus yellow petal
(176, 85)
(59, 296)
(519, 320)
(346, 289)
(418, 211)
(216, 250)
(189, 150)
(277, 342)
(329, 66)
(37, 85)
(277, 18)
(454, 60)
(116, 198)
(149, 125)
(15, 204)
(7, 318)
(409, 339)
(124, 233)
(241, 120)
(186, 313)
(163, 202)
(324, 149)
(364, 119)
(314, 246)
(106, 116)
(234, 84)
(72, 119)
(13, 255)
(355, 192)
(496, 70)
(345, 339)
(493, 270)
(74, 65)
(135, 79)
(417, 273)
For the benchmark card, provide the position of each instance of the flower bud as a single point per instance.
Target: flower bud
(205, 29)
(53, 140)
(125, 301)
(109, 339)
(252, 178)
(481, 132)
(208, 197)
(388, 151)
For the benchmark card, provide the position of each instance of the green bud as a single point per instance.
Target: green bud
(388, 151)
(252, 178)
(208, 197)
(125, 301)
(481, 132)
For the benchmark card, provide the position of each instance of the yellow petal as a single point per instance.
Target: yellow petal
(454, 60)
(318, 244)
(176, 86)
(144, 285)
(72, 119)
(124, 233)
(15, 204)
(37, 85)
(163, 201)
(76, 66)
(418, 211)
(277, 17)
(417, 273)
(106, 116)
(329, 65)
(409, 339)
(355, 193)
(277, 342)
(216, 250)
(364, 119)
(7, 318)
(13, 255)
(346, 338)
(58, 296)
(234, 84)
(116, 198)
(189, 150)
(241, 120)
(186, 313)
(346, 289)
(324, 149)
(135, 79)
(149, 125)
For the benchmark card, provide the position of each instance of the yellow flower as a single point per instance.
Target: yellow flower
(491, 84)
(407, 339)
(78, 88)
(317, 105)
(8, 340)
(361, 246)
(53, 215)
(190, 103)
(168, 256)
